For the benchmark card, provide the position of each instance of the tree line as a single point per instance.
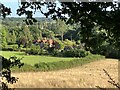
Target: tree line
(15, 31)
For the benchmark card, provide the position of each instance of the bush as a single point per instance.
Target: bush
(10, 48)
(36, 50)
(75, 53)
(24, 68)
(113, 54)
(68, 48)
(107, 50)
(61, 44)
(56, 53)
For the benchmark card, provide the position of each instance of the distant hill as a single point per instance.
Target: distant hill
(22, 18)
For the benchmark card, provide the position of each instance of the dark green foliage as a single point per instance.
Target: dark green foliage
(13, 47)
(113, 54)
(36, 31)
(24, 68)
(50, 49)
(7, 64)
(71, 35)
(22, 41)
(3, 38)
(109, 51)
(36, 50)
(7, 49)
(74, 53)
(56, 52)
(4, 11)
(48, 33)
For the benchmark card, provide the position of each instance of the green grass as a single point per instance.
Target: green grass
(48, 63)
(52, 66)
(33, 59)
(67, 64)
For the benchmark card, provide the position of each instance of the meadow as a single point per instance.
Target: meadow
(48, 63)
(33, 59)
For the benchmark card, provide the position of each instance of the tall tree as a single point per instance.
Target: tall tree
(3, 34)
(89, 14)
(13, 37)
(27, 35)
(36, 32)
(61, 28)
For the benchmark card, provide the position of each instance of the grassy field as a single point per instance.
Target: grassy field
(48, 63)
(33, 59)
(86, 76)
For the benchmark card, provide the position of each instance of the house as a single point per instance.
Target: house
(50, 42)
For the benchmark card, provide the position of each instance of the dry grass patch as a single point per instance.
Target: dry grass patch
(86, 76)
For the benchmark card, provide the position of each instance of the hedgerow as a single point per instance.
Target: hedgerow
(42, 66)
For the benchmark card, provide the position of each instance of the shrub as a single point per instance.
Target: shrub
(36, 50)
(55, 52)
(50, 49)
(75, 53)
(113, 54)
(107, 50)
(61, 44)
(10, 48)
(24, 68)
(68, 48)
